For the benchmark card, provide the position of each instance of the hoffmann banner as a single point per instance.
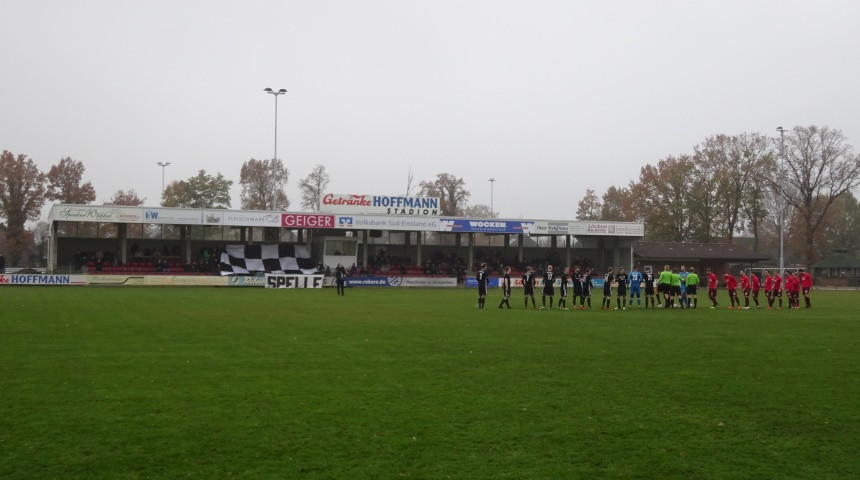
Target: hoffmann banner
(388, 205)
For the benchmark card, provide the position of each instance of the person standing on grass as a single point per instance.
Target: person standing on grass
(621, 279)
(340, 279)
(608, 278)
(664, 285)
(683, 293)
(732, 287)
(793, 290)
(562, 290)
(648, 278)
(548, 287)
(756, 286)
(482, 279)
(576, 278)
(635, 279)
(506, 288)
(529, 287)
(712, 287)
(806, 285)
(675, 288)
(587, 286)
(692, 284)
(777, 288)
(746, 287)
(768, 288)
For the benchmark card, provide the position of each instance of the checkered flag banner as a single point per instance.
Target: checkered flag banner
(278, 259)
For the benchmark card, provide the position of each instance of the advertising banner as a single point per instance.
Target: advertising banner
(173, 216)
(400, 282)
(380, 222)
(96, 213)
(307, 220)
(252, 219)
(621, 229)
(464, 225)
(381, 204)
(41, 279)
(244, 281)
(294, 281)
(618, 229)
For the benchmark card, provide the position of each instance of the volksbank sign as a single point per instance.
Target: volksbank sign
(389, 205)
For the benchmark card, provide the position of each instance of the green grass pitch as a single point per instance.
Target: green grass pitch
(219, 383)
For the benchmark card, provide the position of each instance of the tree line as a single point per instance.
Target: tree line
(24, 190)
(741, 185)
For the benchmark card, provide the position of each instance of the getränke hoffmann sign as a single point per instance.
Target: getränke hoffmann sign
(386, 205)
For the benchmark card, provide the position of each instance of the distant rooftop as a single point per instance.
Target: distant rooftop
(704, 251)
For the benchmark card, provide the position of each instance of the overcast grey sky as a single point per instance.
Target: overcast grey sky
(548, 97)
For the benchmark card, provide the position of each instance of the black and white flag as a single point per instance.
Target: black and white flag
(250, 259)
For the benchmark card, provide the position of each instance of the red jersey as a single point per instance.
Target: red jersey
(745, 282)
(777, 283)
(806, 280)
(731, 282)
(768, 283)
(712, 281)
(792, 284)
(756, 283)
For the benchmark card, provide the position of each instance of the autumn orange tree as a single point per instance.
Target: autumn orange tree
(64, 183)
(22, 194)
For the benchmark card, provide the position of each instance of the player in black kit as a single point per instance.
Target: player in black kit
(482, 279)
(506, 288)
(648, 278)
(529, 287)
(621, 279)
(576, 278)
(548, 287)
(562, 299)
(587, 286)
(608, 277)
(340, 278)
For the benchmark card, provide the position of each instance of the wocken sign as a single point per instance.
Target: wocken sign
(381, 204)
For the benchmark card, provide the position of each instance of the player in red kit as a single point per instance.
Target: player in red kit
(732, 287)
(756, 287)
(712, 287)
(792, 290)
(768, 288)
(806, 285)
(777, 288)
(746, 287)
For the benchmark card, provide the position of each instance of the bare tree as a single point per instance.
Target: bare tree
(64, 183)
(820, 167)
(409, 179)
(313, 186)
(451, 192)
(129, 198)
(263, 183)
(589, 207)
(479, 211)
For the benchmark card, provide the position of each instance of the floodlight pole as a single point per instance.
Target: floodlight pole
(163, 165)
(279, 92)
(492, 183)
(781, 202)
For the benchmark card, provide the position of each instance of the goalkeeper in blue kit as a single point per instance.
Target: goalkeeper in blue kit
(635, 279)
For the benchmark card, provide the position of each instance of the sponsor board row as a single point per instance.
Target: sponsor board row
(363, 220)
(268, 281)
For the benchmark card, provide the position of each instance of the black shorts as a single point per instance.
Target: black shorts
(548, 289)
(777, 293)
(733, 292)
(482, 290)
(712, 292)
(649, 289)
(562, 291)
(607, 289)
(747, 292)
(755, 293)
(528, 290)
(675, 290)
(691, 289)
(664, 288)
(622, 290)
(577, 289)
(806, 290)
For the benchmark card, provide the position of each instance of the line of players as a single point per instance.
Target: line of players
(672, 285)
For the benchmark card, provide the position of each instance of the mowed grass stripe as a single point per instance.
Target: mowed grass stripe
(255, 383)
